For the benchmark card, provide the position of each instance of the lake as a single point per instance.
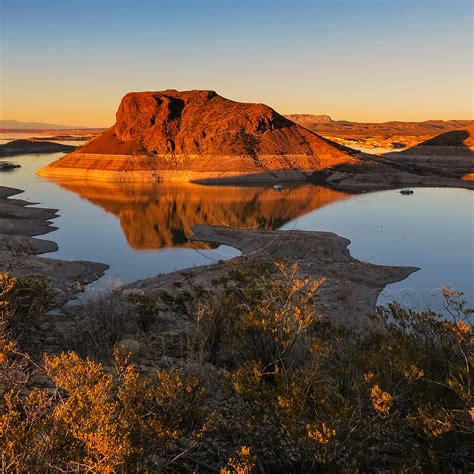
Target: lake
(142, 230)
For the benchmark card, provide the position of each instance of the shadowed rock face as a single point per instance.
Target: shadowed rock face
(197, 131)
(155, 216)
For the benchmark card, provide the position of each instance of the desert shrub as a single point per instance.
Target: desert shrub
(167, 417)
(316, 397)
(397, 399)
(145, 309)
(99, 324)
(251, 315)
(89, 421)
(306, 395)
(23, 304)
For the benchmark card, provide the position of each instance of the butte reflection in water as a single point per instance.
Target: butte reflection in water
(154, 216)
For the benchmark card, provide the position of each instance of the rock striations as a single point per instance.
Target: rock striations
(199, 135)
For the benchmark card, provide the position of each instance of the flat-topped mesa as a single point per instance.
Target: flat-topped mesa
(192, 135)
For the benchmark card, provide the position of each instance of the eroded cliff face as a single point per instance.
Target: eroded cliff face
(202, 122)
(197, 132)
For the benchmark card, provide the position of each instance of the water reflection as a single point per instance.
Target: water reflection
(432, 229)
(154, 216)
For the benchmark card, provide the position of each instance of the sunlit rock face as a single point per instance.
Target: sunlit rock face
(155, 216)
(171, 135)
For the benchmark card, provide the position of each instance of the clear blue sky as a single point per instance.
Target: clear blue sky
(70, 61)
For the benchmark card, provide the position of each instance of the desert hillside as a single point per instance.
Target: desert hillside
(450, 152)
(457, 142)
(171, 135)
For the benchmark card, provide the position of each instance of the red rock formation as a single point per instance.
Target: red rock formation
(193, 134)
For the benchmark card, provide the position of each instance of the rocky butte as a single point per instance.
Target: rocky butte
(199, 135)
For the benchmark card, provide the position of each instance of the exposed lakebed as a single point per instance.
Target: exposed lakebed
(141, 230)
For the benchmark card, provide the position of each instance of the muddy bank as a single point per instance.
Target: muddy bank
(19, 250)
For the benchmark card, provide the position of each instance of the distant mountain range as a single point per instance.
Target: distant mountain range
(323, 124)
(393, 134)
(17, 125)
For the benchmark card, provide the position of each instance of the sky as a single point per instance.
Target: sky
(71, 61)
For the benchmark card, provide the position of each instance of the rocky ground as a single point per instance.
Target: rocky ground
(351, 287)
(393, 172)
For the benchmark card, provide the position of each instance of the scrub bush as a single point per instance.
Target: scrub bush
(290, 391)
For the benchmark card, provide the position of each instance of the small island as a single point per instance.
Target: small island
(27, 146)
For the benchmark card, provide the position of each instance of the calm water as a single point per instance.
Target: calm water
(142, 230)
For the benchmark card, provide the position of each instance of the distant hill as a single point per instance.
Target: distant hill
(17, 125)
(309, 119)
(455, 143)
(323, 124)
(393, 134)
(450, 153)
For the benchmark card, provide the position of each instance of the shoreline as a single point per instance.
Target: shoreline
(371, 173)
(347, 297)
(19, 249)
(351, 291)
